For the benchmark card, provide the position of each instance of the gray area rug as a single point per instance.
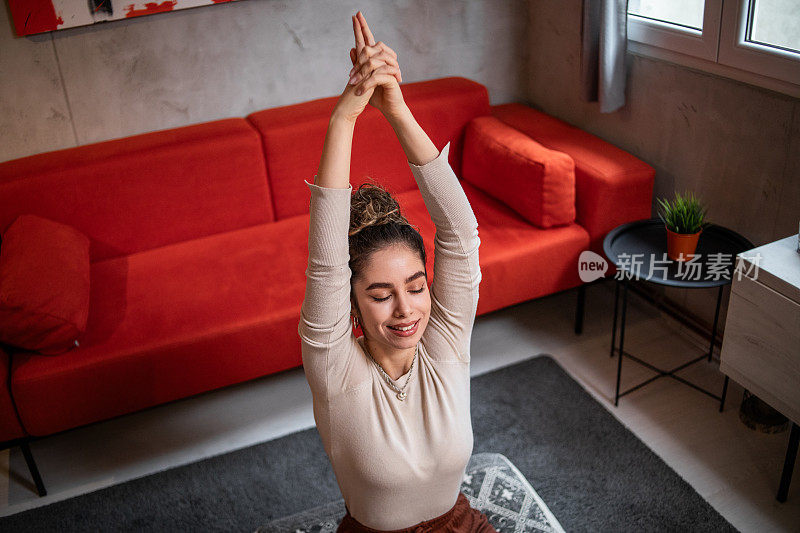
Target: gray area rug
(492, 484)
(592, 472)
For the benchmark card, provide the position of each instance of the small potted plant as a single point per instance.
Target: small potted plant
(684, 220)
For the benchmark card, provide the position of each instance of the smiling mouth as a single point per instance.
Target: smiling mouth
(407, 328)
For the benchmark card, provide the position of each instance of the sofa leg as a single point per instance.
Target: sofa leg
(26, 451)
(579, 309)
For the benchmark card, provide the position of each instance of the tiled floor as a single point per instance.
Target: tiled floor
(736, 469)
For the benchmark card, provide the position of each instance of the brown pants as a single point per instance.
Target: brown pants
(462, 518)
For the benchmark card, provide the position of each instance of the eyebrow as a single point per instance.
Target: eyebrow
(383, 285)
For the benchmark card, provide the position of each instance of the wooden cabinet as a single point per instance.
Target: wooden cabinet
(761, 346)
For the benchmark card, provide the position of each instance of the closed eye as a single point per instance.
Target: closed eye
(386, 298)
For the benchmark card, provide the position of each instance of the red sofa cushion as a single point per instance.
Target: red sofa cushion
(145, 191)
(44, 285)
(536, 182)
(172, 322)
(294, 135)
(611, 185)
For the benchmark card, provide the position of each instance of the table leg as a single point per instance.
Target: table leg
(788, 464)
(724, 392)
(621, 337)
(711, 347)
(37, 478)
(716, 320)
(579, 309)
(614, 328)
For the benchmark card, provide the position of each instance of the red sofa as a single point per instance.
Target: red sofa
(199, 240)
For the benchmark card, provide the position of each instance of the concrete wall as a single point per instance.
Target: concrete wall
(82, 85)
(736, 145)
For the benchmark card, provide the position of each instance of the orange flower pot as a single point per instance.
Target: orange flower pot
(678, 243)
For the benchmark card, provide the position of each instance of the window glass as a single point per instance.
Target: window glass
(775, 23)
(687, 13)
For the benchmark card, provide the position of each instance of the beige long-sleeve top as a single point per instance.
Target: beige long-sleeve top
(397, 463)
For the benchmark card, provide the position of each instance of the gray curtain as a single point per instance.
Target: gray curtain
(604, 32)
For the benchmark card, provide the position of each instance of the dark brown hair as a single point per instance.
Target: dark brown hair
(375, 223)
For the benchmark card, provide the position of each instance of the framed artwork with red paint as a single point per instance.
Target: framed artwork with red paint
(37, 16)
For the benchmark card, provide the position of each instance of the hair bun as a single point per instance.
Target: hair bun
(372, 205)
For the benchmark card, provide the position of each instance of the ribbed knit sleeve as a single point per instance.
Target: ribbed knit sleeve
(456, 270)
(324, 326)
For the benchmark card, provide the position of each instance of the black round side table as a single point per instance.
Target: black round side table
(639, 251)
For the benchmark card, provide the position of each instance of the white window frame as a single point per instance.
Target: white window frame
(719, 49)
(734, 51)
(688, 41)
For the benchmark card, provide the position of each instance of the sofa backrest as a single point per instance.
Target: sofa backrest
(149, 190)
(293, 137)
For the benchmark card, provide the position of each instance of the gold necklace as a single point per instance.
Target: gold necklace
(401, 393)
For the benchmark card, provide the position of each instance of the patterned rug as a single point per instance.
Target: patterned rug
(492, 484)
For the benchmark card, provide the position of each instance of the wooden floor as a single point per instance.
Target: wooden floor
(734, 468)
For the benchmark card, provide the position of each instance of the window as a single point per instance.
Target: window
(756, 41)
(776, 24)
(689, 27)
(688, 13)
(762, 36)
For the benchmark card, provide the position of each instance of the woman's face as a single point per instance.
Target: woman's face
(393, 292)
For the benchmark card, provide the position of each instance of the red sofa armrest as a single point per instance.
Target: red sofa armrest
(612, 187)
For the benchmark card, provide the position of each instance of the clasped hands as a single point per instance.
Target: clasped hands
(374, 78)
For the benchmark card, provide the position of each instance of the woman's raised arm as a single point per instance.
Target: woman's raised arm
(418, 147)
(324, 326)
(456, 271)
(456, 266)
(334, 165)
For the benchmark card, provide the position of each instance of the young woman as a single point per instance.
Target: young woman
(393, 406)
